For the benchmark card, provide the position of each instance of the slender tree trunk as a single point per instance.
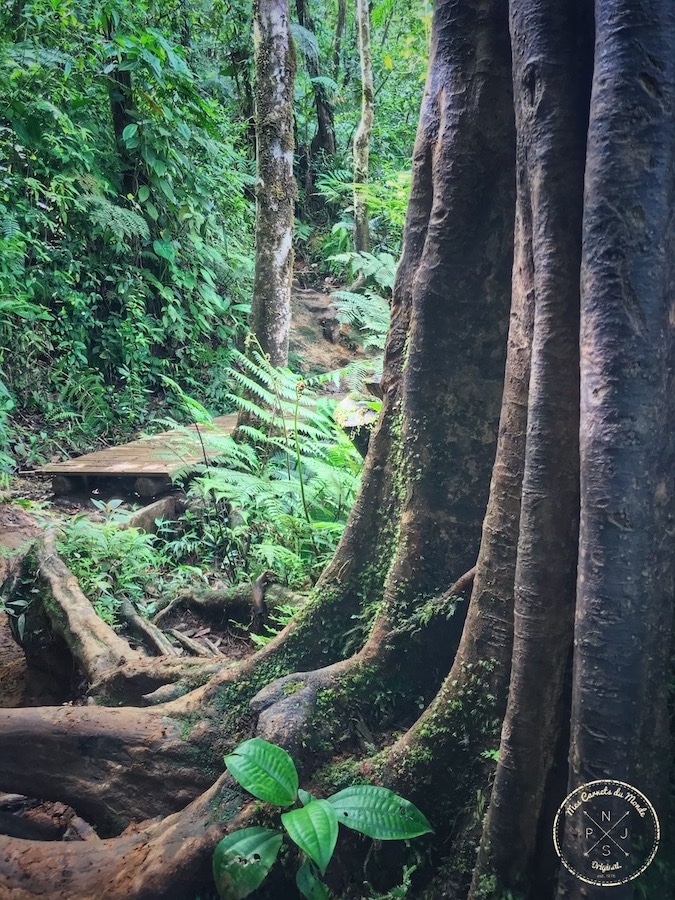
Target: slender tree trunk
(364, 130)
(324, 139)
(275, 190)
(337, 41)
(626, 548)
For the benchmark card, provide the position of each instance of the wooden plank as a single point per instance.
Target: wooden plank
(159, 454)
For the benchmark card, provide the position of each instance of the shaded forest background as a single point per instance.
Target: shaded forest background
(127, 199)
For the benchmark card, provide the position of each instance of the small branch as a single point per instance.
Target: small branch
(146, 631)
(463, 583)
(194, 647)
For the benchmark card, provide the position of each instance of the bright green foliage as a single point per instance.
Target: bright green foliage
(314, 828)
(279, 500)
(400, 35)
(110, 563)
(378, 813)
(277, 620)
(268, 772)
(242, 860)
(124, 220)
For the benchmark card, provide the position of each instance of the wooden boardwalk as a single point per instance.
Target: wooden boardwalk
(151, 461)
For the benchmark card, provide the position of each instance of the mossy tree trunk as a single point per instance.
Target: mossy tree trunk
(591, 267)
(275, 188)
(364, 129)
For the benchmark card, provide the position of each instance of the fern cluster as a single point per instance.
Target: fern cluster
(277, 494)
(110, 563)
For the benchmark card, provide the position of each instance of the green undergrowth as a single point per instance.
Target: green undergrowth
(274, 497)
(125, 224)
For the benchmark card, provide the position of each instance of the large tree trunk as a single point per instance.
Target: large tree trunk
(551, 74)
(364, 129)
(275, 189)
(416, 522)
(452, 370)
(625, 588)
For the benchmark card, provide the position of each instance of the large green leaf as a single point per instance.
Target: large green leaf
(314, 829)
(378, 813)
(164, 249)
(264, 770)
(309, 884)
(242, 860)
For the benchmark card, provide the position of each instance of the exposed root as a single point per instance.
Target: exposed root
(193, 646)
(150, 634)
(168, 859)
(131, 683)
(230, 603)
(286, 706)
(95, 646)
(112, 766)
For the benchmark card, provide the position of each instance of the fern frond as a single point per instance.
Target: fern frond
(306, 42)
(123, 223)
(10, 228)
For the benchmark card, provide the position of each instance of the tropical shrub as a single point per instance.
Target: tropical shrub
(242, 859)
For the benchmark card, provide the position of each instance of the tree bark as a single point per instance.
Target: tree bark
(337, 41)
(169, 859)
(364, 129)
(552, 58)
(275, 190)
(324, 139)
(625, 582)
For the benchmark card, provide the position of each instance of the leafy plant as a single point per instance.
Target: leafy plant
(125, 220)
(242, 859)
(277, 620)
(110, 563)
(277, 496)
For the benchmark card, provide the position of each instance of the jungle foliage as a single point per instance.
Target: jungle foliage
(126, 197)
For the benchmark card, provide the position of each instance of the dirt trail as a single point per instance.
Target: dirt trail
(318, 342)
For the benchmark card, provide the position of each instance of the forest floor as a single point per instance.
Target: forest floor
(313, 324)
(28, 505)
